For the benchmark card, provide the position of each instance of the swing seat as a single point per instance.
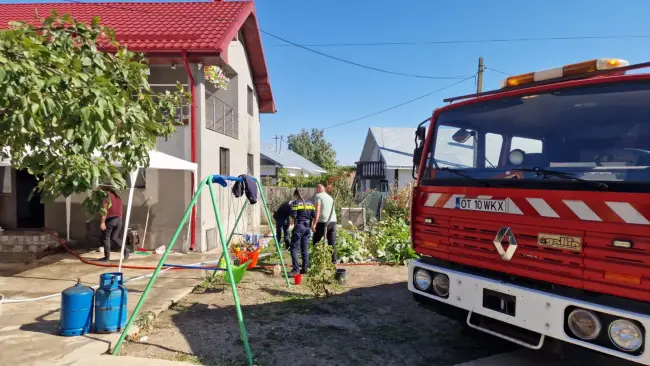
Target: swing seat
(238, 273)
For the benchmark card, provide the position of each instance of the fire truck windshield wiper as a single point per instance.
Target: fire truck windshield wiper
(463, 174)
(555, 173)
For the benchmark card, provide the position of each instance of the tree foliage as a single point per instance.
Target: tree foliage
(313, 147)
(70, 111)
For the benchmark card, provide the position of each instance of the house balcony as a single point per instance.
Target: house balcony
(221, 117)
(371, 170)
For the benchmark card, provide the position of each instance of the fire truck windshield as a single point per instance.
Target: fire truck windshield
(561, 139)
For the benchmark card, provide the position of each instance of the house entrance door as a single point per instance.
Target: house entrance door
(30, 214)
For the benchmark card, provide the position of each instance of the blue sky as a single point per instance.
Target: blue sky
(312, 91)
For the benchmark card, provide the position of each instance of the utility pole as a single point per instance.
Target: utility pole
(276, 138)
(281, 142)
(479, 80)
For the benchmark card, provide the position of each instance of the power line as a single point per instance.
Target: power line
(500, 72)
(399, 105)
(358, 64)
(498, 40)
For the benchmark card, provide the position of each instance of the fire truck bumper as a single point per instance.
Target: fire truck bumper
(525, 316)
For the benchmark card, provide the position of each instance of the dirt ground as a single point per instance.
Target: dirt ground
(374, 321)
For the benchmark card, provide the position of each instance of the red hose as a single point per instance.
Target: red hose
(338, 265)
(108, 265)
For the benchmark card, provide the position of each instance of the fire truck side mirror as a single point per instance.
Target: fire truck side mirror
(421, 133)
(461, 136)
(417, 155)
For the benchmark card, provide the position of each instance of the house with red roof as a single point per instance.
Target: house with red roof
(220, 129)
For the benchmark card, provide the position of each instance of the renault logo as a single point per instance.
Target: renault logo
(506, 254)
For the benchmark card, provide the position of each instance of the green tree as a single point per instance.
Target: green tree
(313, 147)
(69, 110)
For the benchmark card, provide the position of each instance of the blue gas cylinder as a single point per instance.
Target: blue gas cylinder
(76, 310)
(110, 303)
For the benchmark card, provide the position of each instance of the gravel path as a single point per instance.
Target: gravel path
(373, 322)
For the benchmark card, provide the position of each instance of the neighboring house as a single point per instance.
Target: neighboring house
(220, 128)
(386, 159)
(273, 159)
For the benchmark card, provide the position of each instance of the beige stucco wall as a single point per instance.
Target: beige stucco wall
(210, 142)
(163, 195)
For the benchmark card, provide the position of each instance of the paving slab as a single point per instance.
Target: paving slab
(106, 360)
(28, 330)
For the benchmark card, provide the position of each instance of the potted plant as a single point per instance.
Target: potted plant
(216, 77)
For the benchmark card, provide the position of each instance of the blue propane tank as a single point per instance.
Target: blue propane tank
(76, 310)
(110, 303)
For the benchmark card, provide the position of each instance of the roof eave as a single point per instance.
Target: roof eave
(246, 20)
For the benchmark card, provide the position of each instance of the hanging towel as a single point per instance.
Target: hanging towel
(238, 189)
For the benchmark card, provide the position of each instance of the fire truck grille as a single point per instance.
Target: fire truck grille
(595, 266)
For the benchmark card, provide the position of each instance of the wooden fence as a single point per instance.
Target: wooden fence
(277, 195)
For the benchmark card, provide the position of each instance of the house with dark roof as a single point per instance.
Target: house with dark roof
(219, 129)
(273, 158)
(386, 159)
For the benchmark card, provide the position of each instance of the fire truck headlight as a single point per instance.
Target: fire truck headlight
(422, 279)
(625, 335)
(584, 324)
(441, 285)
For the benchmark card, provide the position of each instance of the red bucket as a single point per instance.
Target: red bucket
(297, 279)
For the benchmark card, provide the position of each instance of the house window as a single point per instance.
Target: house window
(383, 186)
(250, 100)
(251, 164)
(396, 178)
(224, 161)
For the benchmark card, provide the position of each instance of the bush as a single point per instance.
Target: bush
(321, 273)
(390, 241)
(351, 246)
(398, 203)
(387, 241)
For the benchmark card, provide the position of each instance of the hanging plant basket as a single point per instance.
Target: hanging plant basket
(216, 77)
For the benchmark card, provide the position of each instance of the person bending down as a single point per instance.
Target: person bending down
(281, 217)
(111, 224)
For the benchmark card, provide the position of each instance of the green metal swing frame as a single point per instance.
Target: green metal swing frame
(209, 181)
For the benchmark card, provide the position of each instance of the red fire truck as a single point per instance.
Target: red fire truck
(531, 212)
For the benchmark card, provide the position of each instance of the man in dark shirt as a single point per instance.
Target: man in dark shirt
(303, 213)
(281, 217)
(111, 224)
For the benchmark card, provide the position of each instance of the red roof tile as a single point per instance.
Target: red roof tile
(193, 27)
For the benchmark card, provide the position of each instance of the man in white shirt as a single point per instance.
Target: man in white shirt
(325, 222)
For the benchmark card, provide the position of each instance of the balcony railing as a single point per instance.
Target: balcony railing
(221, 117)
(183, 111)
(371, 169)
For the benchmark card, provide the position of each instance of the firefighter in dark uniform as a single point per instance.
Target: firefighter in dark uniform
(303, 213)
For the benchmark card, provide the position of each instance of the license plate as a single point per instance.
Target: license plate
(480, 204)
(499, 302)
